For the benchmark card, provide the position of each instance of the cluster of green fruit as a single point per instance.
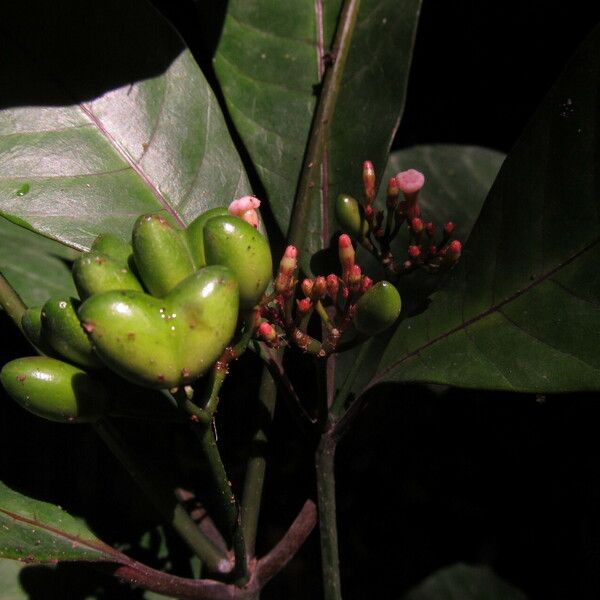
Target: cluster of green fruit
(158, 312)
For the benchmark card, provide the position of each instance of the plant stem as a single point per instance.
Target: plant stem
(317, 142)
(165, 503)
(325, 463)
(227, 499)
(255, 468)
(11, 302)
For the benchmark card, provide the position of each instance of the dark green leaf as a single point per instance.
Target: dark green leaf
(521, 311)
(457, 180)
(34, 266)
(108, 116)
(35, 531)
(464, 582)
(269, 63)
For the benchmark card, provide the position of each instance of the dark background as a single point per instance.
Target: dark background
(427, 477)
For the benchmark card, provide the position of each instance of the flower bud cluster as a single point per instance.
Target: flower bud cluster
(375, 229)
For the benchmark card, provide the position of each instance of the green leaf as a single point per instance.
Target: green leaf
(35, 531)
(521, 310)
(34, 266)
(107, 117)
(457, 181)
(464, 582)
(269, 63)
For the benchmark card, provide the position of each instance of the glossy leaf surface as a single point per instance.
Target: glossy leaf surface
(35, 531)
(270, 61)
(521, 311)
(107, 117)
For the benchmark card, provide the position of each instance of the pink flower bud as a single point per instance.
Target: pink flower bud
(449, 228)
(304, 306)
(429, 228)
(393, 192)
(320, 287)
(414, 251)
(245, 208)
(287, 267)
(307, 286)
(454, 251)
(333, 286)
(416, 225)
(354, 278)
(267, 332)
(367, 283)
(432, 249)
(368, 175)
(346, 253)
(410, 182)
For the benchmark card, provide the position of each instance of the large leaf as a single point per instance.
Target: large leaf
(521, 311)
(105, 116)
(464, 582)
(34, 265)
(457, 181)
(270, 61)
(31, 530)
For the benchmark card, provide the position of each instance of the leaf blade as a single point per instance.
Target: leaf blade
(100, 137)
(528, 319)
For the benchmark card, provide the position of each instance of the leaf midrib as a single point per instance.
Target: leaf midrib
(99, 546)
(489, 311)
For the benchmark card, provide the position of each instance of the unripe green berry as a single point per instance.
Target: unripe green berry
(351, 216)
(377, 309)
(195, 233)
(110, 245)
(62, 330)
(94, 273)
(31, 322)
(55, 390)
(232, 242)
(161, 253)
(163, 343)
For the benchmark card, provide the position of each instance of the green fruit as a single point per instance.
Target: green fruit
(377, 309)
(163, 343)
(62, 330)
(94, 273)
(55, 390)
(351, 216)
(110, 245)
(195, 233)
(161, 253)
(31, 322)
(232, 242)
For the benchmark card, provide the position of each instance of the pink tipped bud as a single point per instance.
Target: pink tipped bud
(430, 229)
(414, 251)
(411, 181)
(333, 285)
(304, 306)
(267, 332)
(307, 286)
(246, 208)
(416, 225)
(320, 288)
(449, 228)
(393, 192)
(354, 278)
(366, 284)
(369, 212)
(368, 175)
(454, 251)
(346, 253)
(287, 266)
(432, 249)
